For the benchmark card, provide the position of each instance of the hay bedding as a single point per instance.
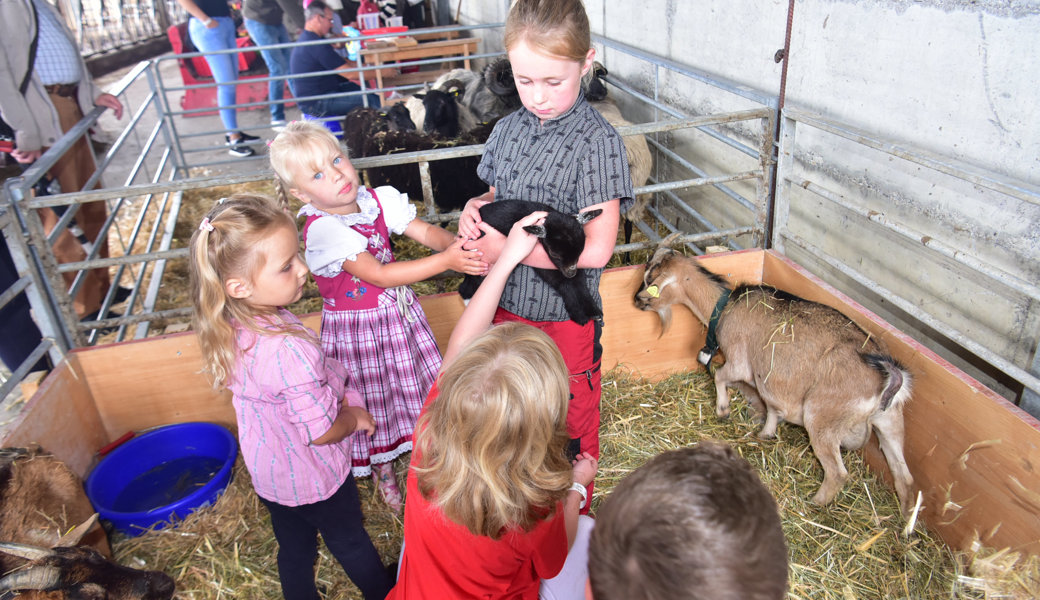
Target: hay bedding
(850, 549)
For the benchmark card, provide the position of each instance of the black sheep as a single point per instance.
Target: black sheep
(563, 238)
(454, 180)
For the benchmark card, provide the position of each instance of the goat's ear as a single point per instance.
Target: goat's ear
(419, 95)
(73, 537)
(585, 217)
(537, 231)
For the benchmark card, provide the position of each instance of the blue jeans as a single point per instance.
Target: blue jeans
(223, 66)
(329, 107)
(277, 60)
(339, 520)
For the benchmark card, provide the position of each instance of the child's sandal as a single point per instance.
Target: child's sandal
(386, 480)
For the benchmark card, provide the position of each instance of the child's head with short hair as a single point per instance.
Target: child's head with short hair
(244, 261)
(311, 165)
(695, 523)
(492, 442)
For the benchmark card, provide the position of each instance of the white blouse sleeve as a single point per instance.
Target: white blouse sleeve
(329, 243)
(398, 212)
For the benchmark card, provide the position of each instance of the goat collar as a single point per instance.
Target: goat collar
(711, 344)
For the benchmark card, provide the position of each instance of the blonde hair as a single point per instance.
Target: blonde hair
(300, 144)
(493, 440)
(224, 246)
(555, 27)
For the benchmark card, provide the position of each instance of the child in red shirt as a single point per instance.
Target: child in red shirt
(493, 503)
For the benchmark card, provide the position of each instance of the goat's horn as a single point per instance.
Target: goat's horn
(36, 578)
(25, 551)
(670, 240)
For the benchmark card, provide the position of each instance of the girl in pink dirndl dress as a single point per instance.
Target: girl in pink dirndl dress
(371, 320)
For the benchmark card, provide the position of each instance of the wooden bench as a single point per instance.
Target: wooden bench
(449, 50)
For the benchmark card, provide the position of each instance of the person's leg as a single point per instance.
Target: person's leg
(223, 66)
(341, 105)
(340, 522)
(570, 583)
(72, 171)
(277, 61)
(297, 548)
(21, 336)
(386, 481)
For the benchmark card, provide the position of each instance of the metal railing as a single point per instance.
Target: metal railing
(148, 197)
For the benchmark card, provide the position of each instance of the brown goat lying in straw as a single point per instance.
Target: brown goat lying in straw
(793, 359)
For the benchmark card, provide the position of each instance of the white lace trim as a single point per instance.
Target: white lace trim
(380, 458)
(369, 210)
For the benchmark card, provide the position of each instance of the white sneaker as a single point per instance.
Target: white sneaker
(240, 150)
(278, 124)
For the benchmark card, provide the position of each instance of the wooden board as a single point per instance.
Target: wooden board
(156, 381)
(973, 454)
(62, 418)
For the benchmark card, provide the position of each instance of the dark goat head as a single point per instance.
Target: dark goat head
(77, 572)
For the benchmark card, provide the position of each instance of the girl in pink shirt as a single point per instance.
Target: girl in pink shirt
(296, 417)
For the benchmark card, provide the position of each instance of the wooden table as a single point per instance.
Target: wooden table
(449, 50)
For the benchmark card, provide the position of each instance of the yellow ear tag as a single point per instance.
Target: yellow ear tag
(653, 292)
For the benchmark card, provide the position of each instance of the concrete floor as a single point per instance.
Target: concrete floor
(203, 134)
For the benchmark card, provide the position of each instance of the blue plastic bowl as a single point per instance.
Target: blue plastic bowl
(162, 475)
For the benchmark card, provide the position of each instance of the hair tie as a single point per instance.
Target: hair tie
(205, 225)
(269, 143)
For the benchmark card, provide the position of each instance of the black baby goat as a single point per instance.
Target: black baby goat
(563, 238)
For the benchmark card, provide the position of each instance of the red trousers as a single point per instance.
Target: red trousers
(576, 344)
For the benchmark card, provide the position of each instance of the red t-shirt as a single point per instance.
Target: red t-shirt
(443, 560)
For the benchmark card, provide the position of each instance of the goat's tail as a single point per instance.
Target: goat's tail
(898, 380)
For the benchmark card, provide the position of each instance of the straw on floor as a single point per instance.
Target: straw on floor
(853, 548)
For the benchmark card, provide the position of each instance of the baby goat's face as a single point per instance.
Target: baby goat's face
(563, 238)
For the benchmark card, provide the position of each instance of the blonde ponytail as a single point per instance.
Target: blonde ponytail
(224, 246)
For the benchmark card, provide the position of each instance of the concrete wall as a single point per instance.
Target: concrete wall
(955, 78)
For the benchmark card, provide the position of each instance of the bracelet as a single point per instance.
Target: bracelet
(577, 487)
(207, 21)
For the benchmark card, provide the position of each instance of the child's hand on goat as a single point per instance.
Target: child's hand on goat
(520, 243)
(465, 261)
(470, 217)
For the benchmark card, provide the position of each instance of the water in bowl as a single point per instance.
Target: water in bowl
(166, 483)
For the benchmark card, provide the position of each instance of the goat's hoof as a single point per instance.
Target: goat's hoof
(823, 499)
(722, 414)
(767, 435)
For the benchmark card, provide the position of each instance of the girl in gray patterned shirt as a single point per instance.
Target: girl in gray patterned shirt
(561, 152)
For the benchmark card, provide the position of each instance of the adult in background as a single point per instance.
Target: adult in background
(45, 89)
(211, 29)
(315, 58)
(264, 22)
(414, 13)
